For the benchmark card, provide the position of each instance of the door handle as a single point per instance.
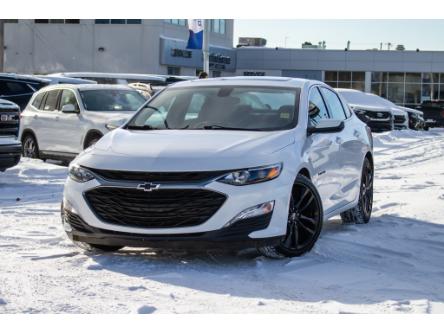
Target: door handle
(356, 133)
(338, 140)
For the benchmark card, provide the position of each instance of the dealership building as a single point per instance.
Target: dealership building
(159, 47)
(116, 45)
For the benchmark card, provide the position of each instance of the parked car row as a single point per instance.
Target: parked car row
(229, 162)
(381, 114)
(64, 113)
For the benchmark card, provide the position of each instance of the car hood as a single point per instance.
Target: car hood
(367, 107)
(185, 150)
(109, 115)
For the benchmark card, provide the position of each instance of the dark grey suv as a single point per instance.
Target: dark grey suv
(10, 147)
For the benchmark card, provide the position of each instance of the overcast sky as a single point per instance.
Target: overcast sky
(363, 34)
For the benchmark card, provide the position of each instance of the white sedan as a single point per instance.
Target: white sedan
(232, 162)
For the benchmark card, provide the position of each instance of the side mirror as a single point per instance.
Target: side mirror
(69, 108)
(326, 126)
(113, 124)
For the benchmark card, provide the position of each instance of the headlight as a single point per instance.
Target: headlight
(79, 174)
(253, 175)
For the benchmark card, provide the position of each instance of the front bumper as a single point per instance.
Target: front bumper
(10, 155)
(211, 232)
(232, 237)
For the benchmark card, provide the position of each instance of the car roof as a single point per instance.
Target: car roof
(132, 76)
(89, 86)
(265, 81)
(23, 77)
(55, 79)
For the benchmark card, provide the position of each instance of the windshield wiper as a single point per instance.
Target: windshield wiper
(220, 127)
(157, 110)
(141, 128)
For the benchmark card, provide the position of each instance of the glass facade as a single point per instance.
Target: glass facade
(218, 26)
(117, 21)
(345, 79)
(56, 21)
(176, 21)
(408, 88)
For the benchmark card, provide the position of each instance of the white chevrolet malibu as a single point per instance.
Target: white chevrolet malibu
(224, 163)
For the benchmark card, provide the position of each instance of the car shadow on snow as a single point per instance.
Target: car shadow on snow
(391, 258)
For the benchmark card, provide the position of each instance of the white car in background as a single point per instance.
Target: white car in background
(229, 162)
(378, 113)
(62, 120)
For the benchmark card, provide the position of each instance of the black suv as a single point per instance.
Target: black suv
(19, 88)
(10, 147)
(433, 112)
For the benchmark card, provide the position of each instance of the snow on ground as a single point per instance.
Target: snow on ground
(393, 264)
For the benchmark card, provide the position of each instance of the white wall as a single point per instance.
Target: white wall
(133, 48)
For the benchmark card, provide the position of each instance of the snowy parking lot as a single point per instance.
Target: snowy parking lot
(393, 264)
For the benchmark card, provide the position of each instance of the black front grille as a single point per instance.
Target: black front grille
(191, 176)
(9, 122)
(163, 208)
(399, 119)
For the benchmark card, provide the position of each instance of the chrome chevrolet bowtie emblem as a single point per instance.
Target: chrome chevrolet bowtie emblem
(379, 114)
(148, 187)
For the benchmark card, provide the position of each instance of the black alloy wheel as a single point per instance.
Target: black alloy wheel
(366, 194)
(304, 219)
(361, 213)
(304, 224)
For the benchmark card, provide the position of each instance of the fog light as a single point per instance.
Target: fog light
(262, 209)
(67, 206)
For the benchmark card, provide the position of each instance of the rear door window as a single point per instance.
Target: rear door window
(51, 100)
(38, 100)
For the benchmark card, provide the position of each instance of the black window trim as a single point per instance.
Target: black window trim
(317, 86)
(326, 104)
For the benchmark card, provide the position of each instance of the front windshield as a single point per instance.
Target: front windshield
(220, 107)
(111, 100)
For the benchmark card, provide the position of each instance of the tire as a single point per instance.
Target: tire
(97, 247)
(92, 140)
(30, 147)
(304, 224)
(361, 213)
